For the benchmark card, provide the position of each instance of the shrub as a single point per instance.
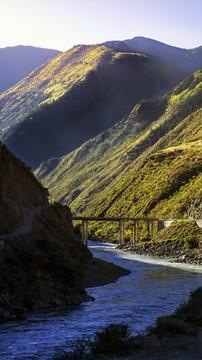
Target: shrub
(189, 242)
(113, 340)
(81, 350)
(186, 318)
(191, 311)
(170, 324)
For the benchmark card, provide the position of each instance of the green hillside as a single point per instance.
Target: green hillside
(76, 96)
(147, 164)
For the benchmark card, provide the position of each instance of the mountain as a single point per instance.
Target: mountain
(148, 164)
(188, 60)
(19, 61)
(76, 96)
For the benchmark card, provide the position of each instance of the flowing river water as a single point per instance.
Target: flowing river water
(154, 288)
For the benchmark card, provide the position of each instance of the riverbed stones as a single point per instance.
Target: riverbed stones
(172, 251)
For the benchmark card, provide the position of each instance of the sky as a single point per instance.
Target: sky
(61, 24)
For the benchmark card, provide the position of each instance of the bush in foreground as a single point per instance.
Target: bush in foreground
(186, 318)
(113, 340)
(116, 340)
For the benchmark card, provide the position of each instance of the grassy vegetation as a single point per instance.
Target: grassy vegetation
(182, 232)
(149, 164)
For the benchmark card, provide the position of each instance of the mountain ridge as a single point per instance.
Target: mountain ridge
(187, 59)
(105, 83)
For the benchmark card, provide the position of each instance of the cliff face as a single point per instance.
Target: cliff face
(18, 189)
(42, 263)
(43, 268)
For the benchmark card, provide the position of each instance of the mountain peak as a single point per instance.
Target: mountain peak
(188, 60)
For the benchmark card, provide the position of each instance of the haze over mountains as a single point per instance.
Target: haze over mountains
(188, 60)
(81, 93)
(19, 61)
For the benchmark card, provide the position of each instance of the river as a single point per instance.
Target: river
(154, 288)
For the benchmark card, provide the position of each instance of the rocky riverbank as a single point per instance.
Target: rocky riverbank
(180, 242)
(12, 309)
(167, 250)
(165, 347)
(99, 273)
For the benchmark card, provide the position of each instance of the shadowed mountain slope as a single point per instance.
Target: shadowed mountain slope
(18, 189)
(147, 164)
(76, 96)
(43, 264)
(19, 61)
(188, 60)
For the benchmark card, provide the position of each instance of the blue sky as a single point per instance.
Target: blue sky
(60, 24)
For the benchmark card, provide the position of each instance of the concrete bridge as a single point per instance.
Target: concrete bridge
(150, 222)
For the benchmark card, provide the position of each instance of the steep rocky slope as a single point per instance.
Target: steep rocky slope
(19, 189)
(16, 62)
(148, 164)
(43, 268)
(76, 96)
(43, 264)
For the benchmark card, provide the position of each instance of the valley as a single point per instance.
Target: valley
(111, 130)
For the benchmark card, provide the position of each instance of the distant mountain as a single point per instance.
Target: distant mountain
(76, 96)
(148, 164)
(19, 61)
(188, 60)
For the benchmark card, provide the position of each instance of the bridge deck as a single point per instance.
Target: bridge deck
(85, 218)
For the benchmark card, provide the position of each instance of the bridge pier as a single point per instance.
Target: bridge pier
(136, 232)
(121, 232)
(151, 225)
(160, 224)
(85, 232)
(151, 230)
